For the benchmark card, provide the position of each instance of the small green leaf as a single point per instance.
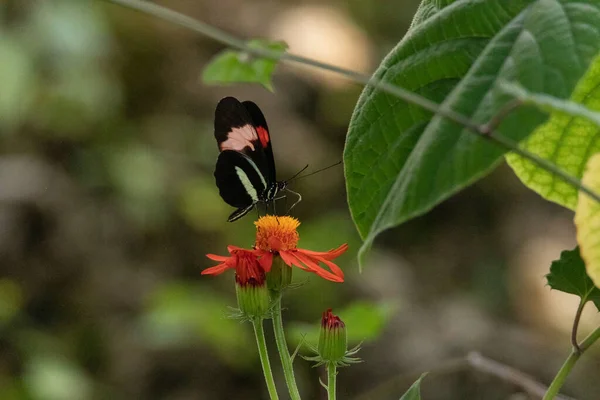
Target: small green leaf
(232, 66)
(568, 275)
(568, 139)
(414, 392)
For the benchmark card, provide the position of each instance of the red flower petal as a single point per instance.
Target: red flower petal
(265, 260)
(314, 267)
(216, 270)
(289, 259)
(231, 248)
(327, 255)
(334, 268)
(215, 257)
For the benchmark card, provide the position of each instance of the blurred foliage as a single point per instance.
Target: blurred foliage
(364, 323)
(230, 66)
(11, 300)
(54, 378)
(52, 69)
(180, 314)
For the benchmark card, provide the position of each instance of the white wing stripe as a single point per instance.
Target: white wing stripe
(262, 178)
(247, 184)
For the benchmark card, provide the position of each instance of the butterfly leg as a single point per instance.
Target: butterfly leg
(296, 202)
(240, 212)
(274, 200)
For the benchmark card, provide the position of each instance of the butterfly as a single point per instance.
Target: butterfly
(245, 171)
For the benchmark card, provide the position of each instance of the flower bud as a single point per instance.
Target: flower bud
(250, 286)
(333, 341)
(280, 275)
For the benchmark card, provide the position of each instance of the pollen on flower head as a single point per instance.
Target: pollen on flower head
(275, 233)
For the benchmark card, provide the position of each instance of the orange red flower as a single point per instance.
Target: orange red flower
(278, 236)
(248, 270)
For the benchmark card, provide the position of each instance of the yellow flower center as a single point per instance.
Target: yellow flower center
(276, 233)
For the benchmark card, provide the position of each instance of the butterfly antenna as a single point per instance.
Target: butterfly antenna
(296, 177)
(297, 173)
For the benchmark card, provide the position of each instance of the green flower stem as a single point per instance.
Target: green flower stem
(484, 131)
(569, 363)
(259, 332)
(284, 354)
(331, 382)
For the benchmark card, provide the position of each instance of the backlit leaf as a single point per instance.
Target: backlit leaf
(568, 139)
(587, 220)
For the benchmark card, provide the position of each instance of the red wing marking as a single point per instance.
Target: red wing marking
(239, 138)
(263, 135)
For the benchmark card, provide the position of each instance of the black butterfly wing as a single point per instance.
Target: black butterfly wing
(236, 130)
(262, 130)
(239, 179)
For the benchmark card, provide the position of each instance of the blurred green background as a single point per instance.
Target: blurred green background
(108, 207)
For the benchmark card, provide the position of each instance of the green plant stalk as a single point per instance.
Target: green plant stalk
(284, 354)
(482, 130)
(259, 332)
(569, 363)
(576, 320)
(331, 380)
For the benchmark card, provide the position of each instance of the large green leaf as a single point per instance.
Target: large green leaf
(399, 161)
(567, 140)
(428, 8)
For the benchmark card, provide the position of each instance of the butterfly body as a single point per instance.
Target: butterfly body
(245, 171)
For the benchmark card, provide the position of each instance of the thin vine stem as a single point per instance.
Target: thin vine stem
(331, 381)
(576, 325)
(284, 354)
(259, 333)
(569, 363)
(481, 130)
